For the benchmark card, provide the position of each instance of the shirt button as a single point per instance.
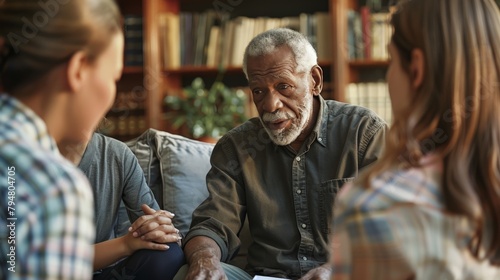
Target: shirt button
(299, 191)
(297, 158)
(320, 139)
(303, 225)
(304, 258)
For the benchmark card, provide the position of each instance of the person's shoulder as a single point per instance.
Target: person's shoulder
(253, 124)
(42, 171)
(394, 187)
(350, 117)
(251, 128)
(107, 141)
(338, 109)
(249, 136)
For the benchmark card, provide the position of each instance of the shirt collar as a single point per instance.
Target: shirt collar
(320, 129)
(26, 122)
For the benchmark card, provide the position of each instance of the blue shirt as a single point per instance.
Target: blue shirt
(115, 176)
(46, 204)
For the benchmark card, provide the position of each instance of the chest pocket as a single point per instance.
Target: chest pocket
(327, 192)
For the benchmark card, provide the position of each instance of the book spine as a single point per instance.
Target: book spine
(366, 28)
(133, 33)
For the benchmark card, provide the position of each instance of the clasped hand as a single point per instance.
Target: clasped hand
(155, 226)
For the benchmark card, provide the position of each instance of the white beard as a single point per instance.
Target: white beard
(286, 136)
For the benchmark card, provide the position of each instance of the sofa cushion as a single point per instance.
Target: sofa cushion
(175, 168)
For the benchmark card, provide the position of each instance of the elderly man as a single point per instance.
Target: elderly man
(281, 170)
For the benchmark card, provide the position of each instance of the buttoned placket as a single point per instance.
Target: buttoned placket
(300, 194)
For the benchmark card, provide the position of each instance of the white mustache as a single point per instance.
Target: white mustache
(279, 115)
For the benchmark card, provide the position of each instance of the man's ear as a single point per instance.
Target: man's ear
(76, 71)
(417, 68)
(317, 79)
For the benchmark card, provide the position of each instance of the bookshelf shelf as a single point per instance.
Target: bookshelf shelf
(201, 70)
(368, 63)
(133, 70)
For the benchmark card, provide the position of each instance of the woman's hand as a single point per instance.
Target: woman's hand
(155, 226)
(132, 244)
(110, 251)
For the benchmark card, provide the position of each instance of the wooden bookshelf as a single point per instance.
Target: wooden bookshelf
(359, 76)
(158, 81)
(126, 119)
(351, 70)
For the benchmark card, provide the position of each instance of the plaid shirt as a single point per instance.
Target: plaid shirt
(46, 214)
(399, 229)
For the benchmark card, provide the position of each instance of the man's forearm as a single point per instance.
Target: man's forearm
(201, 247)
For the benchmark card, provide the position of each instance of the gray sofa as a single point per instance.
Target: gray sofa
(175, 168)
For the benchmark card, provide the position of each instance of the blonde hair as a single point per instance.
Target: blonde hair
(39, 35)
(454, 113)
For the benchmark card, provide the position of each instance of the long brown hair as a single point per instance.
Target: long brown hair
(454, 113)
(39, 35)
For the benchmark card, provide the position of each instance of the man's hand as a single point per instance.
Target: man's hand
(205, 267)
(155, 226)
(203, 256)
(323, 272)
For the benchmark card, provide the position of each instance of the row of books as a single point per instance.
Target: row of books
(131, 125)
(368, 34)
(215, 40)
(373, 95)
(126, 116)
(133, 32)
(129, 100)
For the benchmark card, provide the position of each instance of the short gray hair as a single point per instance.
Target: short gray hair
(268, 41)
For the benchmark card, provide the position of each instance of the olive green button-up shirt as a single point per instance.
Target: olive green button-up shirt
(288, 197)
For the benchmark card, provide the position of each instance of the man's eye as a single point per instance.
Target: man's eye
(257, 91)
(283, 87)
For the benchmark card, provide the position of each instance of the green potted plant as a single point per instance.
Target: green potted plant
(207, 112)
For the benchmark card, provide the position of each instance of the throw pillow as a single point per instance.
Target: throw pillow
(175, 168)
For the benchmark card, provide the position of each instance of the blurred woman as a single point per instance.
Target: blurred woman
(59, 61)
(430, 207)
